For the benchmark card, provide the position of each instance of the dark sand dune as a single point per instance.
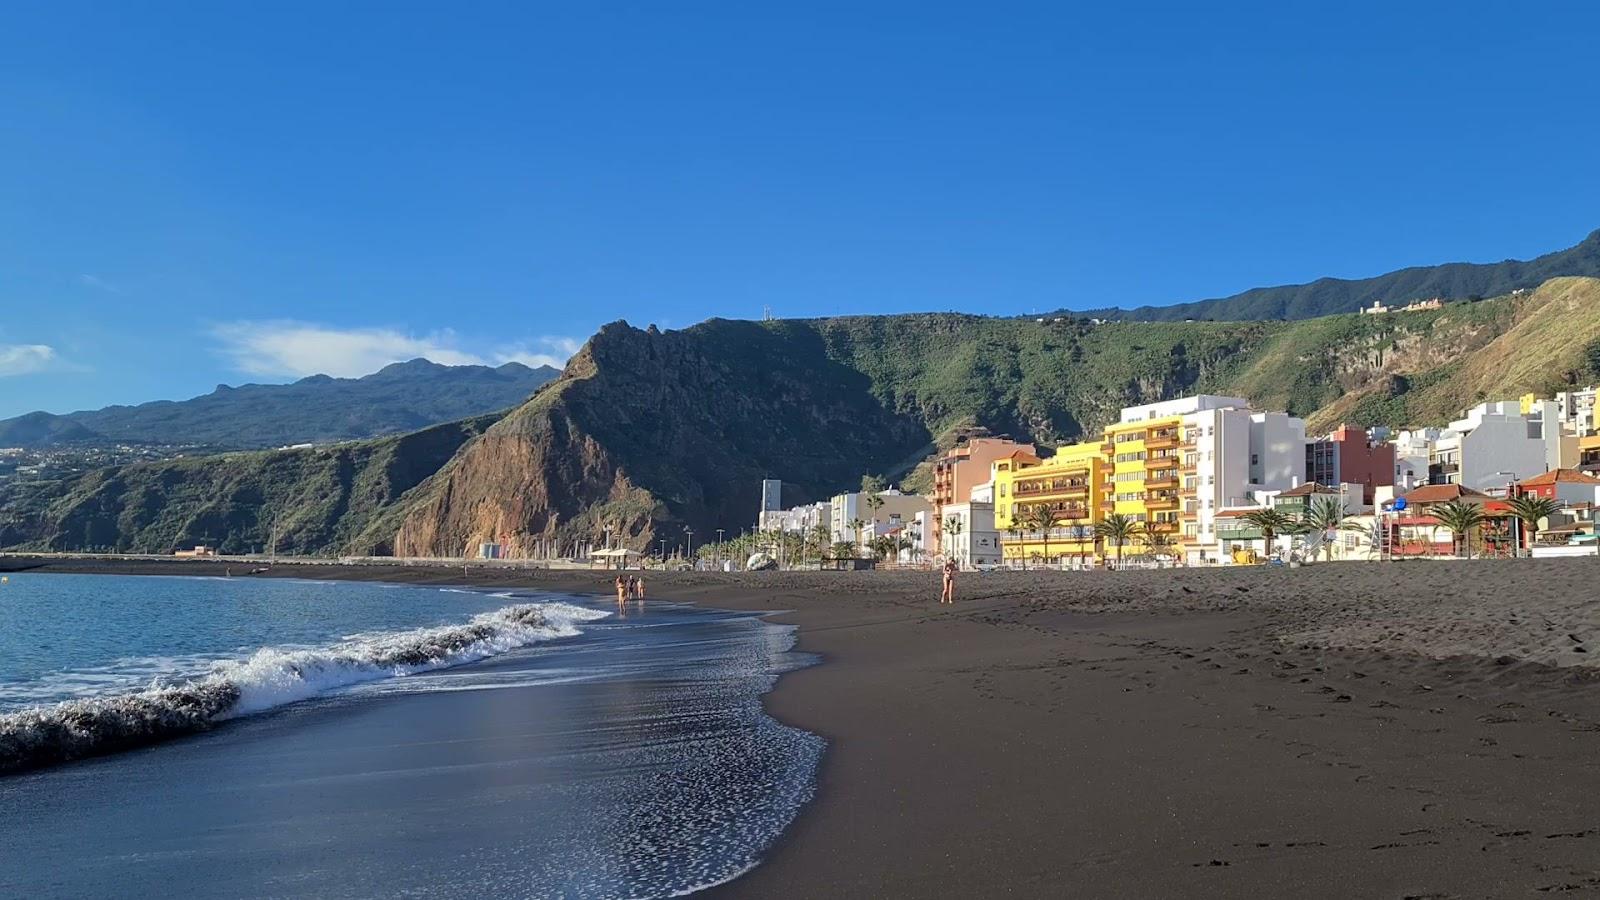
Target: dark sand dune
(1344, 730)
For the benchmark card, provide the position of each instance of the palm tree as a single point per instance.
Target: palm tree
(874, 503)
(1326, 515)
(1043, 518)
(1531, 509)
(1119, 529)
(902, 544)
(1272, 523)
(820, 538)
(1460, 518)
(952, 529)
(855, 528)
(1015, 530)
(1160, 542)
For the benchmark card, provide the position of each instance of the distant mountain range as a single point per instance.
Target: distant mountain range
(1329, 296)
(649, 433)
(400, 398)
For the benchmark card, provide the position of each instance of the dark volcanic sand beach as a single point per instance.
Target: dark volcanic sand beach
(1371, 730)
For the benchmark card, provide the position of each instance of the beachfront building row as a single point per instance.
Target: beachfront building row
(1170, 467)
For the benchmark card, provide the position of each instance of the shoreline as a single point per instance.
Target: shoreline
(1204, 732)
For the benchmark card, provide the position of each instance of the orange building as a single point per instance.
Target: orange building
(964, 468)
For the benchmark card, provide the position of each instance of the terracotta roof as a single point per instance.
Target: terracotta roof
(1565, 476)
(1237, 511)
(1441, 493)
(1307, 489)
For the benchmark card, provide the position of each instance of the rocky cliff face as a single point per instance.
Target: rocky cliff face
(649, 433)
(318, 500)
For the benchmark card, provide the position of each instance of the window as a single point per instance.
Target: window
(1255, 459)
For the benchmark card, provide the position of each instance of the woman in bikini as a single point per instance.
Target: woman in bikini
(949, 595)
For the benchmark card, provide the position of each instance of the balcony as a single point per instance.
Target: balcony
(1109, 448)
(1161, 462)
(1159, 482)
(1159, 502)
(1190, 515)
(1161, 440)
(1065, 512)
(1050, 487)
(1161, 527)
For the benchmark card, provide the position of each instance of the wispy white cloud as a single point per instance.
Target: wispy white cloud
(297, 349)
(25, 359)
(541, 351)
(98, 283)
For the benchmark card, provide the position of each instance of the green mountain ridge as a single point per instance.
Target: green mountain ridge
(1330, 296)
(649, 433)
(399, 398)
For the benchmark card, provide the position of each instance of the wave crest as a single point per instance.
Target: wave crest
(270, 677)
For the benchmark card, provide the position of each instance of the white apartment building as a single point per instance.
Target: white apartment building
(1240, 455)
(973, 540)
(1578, 411)
(1496, 443)
(798, 520)
(897, 509)
(1413, 450)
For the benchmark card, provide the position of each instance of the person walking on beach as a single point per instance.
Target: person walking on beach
(622, 591)
(949, 594)
(638, 588)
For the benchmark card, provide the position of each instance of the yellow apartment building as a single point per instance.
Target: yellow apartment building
(1068, 484)
(1146, 477)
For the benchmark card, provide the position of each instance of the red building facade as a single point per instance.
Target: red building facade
(1348, 456)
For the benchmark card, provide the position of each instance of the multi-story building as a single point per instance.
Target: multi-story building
(1069, 484)
(1231, 455)
(963, 467)
(1589, 454)
(1145, 482)
(1169, 466)
(1565, 486)
(798, 520)
(1579, 412)
(970, 536)
(1413, 451)
(1349, 455)
(896, 509)
(1496, 443)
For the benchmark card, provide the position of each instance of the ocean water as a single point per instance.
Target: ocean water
(272, 738)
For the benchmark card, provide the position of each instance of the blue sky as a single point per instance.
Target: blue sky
(201, 193)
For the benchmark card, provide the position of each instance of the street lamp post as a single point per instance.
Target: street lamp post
(719, 549)
(689, 535)
(663, 554)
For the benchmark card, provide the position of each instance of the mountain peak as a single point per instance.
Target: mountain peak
(411, 366)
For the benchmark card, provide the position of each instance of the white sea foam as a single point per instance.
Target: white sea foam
(271, 677)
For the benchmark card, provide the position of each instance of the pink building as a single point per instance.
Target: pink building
(963, 468)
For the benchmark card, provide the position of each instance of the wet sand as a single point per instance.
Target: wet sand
(1376, 730)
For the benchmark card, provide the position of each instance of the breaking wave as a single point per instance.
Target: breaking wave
(271, 677)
